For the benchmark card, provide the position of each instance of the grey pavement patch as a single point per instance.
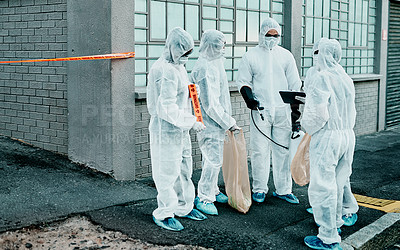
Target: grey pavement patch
(377, 141)
(365, 234)
(38, 186)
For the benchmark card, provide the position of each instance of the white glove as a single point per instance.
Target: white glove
(235, 128)
(198, 126)
(300, 98)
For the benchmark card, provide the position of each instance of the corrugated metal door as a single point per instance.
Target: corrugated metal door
(393, 67)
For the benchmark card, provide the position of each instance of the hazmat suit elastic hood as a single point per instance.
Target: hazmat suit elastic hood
(329, 53)
(267, 25)
(178, 43)
(334, 52)
(212, 44)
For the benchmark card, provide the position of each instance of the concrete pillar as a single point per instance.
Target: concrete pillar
(382, 25)
(292, 36)
(101, 94)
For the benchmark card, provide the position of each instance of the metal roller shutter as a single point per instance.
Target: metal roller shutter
(393, 67)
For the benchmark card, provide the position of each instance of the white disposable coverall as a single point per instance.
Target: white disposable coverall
(329, 117)
(267, 71)
(350, 205)
(171, 118)
(209, 74)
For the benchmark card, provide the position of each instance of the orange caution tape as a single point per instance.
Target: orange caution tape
(195, 101)
(79, 58)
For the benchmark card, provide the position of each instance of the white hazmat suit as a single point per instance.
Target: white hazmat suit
(350, 205)
(171, 118)
(329, 117)
(209, 74)
(267, 69)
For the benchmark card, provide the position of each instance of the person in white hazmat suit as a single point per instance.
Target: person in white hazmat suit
(329, 117)
(350, 206)
(170, 145)
(264, 71)
(209, 74)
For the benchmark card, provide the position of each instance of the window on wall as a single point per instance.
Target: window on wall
(351, 22)
(240, 24)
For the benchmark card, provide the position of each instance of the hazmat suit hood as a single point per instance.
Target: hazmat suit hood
(329, 55)
(267, 25)
(178, 43)
(212, 44)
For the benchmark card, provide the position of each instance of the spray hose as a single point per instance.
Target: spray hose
(252, 118)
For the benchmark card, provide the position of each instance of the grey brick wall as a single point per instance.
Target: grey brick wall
(142, 150)
(367, 107)
(33, 104)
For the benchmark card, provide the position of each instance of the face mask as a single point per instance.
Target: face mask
(183, 59)
(270, 42)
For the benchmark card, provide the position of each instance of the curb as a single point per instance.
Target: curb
(367, 233)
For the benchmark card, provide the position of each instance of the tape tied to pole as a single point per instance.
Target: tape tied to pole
(79, 58)
(196, 103)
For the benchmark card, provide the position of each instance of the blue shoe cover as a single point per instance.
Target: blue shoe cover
(207, 208)
(169, 223)
(258, 197)
(287, 197)
(309, 210)
(221, 198)
(350, 219)
(195, 215)
(315, 243)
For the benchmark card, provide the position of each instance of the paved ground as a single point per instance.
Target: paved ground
(38, 186)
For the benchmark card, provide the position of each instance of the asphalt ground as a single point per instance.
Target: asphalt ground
(38, 187)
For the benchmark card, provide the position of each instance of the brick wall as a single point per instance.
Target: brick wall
(367, 107)
(33, 104)
(142, 150)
